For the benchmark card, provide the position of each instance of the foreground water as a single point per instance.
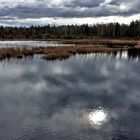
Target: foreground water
(95, 96)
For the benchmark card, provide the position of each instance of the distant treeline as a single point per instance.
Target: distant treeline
(111, 30)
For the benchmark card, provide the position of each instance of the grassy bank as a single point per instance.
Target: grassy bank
(82, 47)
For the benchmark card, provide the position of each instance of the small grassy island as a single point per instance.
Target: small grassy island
(61, 52)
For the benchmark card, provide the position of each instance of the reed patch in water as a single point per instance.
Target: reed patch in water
(52, 53)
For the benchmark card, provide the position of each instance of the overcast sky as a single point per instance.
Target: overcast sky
(40, 12)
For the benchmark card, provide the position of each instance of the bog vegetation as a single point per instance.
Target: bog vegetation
(52, 53)
(61, 52)
(111, 30)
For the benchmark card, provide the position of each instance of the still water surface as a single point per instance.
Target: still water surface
(94, 96)
(5, 44)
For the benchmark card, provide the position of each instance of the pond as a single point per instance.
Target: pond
(94, 96)
(33, 43)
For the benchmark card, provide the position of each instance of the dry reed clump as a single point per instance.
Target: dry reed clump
(7, 53)
(52, 53)
(63, 52)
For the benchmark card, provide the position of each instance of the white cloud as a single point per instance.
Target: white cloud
(67, 21)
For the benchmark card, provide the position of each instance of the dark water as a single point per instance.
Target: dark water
(89, 97)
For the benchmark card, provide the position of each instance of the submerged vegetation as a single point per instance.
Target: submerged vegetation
(61, 52)
(111, 30)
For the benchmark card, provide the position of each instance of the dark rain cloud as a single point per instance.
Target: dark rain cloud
(72, 8)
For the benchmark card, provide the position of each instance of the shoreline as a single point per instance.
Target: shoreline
(86, 41)
(60, 52)
(83, 46)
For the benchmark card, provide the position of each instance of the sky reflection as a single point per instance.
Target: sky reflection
(42, 100)
(98, 117)
(7, 44)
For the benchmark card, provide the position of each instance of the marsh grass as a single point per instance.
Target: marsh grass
(61, 52)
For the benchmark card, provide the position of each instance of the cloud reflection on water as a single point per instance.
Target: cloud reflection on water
(98, 117)
(48, 100)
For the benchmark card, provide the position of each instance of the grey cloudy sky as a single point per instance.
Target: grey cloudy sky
(40, 12)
